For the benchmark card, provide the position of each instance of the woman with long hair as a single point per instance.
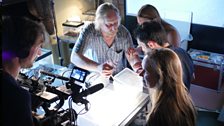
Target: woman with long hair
(171, 102)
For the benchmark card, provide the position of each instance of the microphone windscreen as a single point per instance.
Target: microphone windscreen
(91, 90)
(95, 88)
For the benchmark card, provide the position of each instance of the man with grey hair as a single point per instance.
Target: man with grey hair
(101, 45)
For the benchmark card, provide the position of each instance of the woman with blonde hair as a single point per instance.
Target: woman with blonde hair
(171, 102)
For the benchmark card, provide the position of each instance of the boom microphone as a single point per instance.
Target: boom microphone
(77, 96)
(54, 75)
(91, 90)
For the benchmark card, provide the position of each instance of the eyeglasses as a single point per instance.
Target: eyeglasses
(110, 25)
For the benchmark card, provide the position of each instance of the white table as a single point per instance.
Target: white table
(116, 104)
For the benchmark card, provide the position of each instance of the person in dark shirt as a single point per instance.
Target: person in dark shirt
(21, 42)
(152, 35)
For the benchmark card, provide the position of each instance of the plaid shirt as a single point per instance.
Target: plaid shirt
(91, 44)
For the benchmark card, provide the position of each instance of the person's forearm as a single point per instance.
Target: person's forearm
(83, 62)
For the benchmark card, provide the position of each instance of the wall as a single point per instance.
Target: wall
(65, 9)
(208, 38)
(205, 25)
(206, 12)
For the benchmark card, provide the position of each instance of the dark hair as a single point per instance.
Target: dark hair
(19, 34)
(146, 9)
(151, 31)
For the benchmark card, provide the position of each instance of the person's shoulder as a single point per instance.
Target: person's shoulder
(8, 81)
(89, 29)
(11, 89)
(168, 27)
(91, 24)
(88, 26)
(173, 35)
(182, 54)
(122, 27)
(178, 50)
(158, 117)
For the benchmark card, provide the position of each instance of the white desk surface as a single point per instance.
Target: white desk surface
(115, 105)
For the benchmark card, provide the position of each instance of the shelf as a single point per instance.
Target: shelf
(90, 12)
(73, 24)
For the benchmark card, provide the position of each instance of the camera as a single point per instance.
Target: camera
(44, 94)
(79, 74)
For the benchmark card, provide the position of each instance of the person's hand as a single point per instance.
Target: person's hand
(139, 50)
(133, 58)
(105, 69)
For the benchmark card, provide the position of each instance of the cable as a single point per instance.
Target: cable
(63, 75)
(72, 112)
(88, 105)
(90, 79)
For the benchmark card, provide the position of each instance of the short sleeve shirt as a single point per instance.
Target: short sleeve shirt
(91, 44)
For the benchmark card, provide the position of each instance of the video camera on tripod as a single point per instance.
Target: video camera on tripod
(44, 94)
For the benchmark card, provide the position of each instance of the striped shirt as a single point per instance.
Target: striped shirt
(91, 44)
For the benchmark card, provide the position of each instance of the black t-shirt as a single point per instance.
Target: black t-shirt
(187, 65)
(16, 103)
